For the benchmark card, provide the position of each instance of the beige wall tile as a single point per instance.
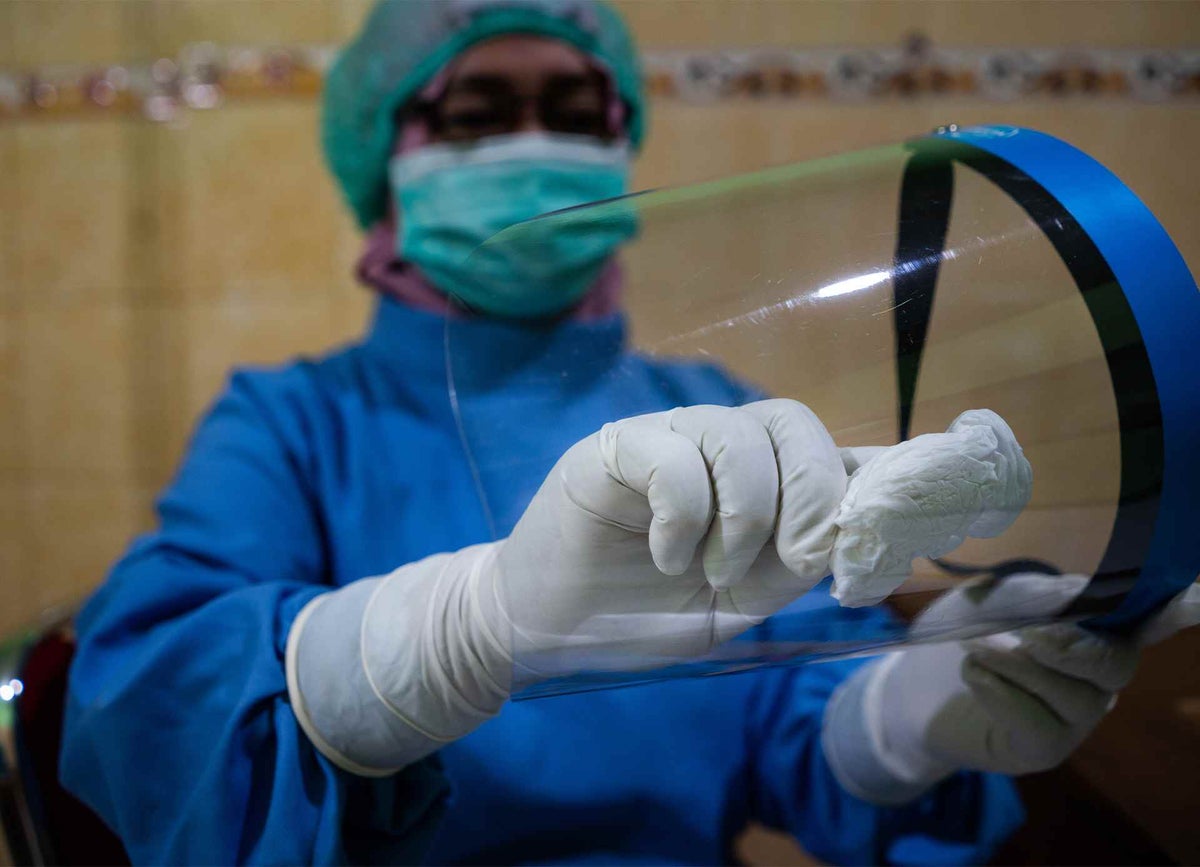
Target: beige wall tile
(222, 337)
(1148, 146)
(693, 23)
(74, 390)
(178, 23)
(57, 542)
(697, 23)
(9, 281)
(153, 207)
(159, 208)
(158, 422)
(1091, 22)
(13, 438)
(71, 212)
(16, 583)
(348, 18)
(7, 37)
(350, 301)
(348, 248)
(67, 31)
(77, 530)
(673, 23)
(172, 204)
(256, 210)
(351, 312)
(670, 157)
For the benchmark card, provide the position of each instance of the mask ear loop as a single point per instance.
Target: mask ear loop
(460, 425)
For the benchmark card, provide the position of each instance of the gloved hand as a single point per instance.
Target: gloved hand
(600, 571)
(1015, 702)
(602, 563)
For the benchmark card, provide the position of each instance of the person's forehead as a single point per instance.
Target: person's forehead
(520, 56)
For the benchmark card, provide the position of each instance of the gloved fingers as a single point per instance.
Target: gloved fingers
(1015, 599)
(1021, 692)
(1012, 709)
(1107, 663)
(745, 484)
(812, 482)
(646, 456)
(1180, 613)
(856, 457)
(769, 586)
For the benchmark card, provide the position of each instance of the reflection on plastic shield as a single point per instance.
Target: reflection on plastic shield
(889, 291)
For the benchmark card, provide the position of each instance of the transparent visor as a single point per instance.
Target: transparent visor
(890, 291)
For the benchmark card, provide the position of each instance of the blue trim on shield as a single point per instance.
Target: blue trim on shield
(1166, 304)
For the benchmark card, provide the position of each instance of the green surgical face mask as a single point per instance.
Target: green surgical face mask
(453, 197)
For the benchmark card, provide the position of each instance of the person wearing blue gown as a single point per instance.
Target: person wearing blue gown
(247, 690)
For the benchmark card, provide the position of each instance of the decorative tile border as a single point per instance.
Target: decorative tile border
(206, 76)
(920, 68)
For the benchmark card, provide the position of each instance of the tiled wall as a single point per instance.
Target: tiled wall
(139, 262)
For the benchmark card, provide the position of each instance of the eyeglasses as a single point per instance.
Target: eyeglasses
(485, 105)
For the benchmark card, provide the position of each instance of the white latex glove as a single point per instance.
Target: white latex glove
(601, 571)
(603, 561)
(1015, 702)
(923, 498)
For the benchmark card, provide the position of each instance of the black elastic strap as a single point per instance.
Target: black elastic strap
(926, 191)
(925, 196)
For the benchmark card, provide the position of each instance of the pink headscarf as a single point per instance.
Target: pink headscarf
(380, 267)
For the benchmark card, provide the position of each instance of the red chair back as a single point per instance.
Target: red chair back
(68, 831)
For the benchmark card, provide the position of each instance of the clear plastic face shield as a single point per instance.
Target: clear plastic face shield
(890, 291)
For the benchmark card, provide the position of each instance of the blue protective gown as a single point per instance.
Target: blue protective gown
(179, 731)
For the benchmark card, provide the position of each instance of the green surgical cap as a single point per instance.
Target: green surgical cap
(404, 43)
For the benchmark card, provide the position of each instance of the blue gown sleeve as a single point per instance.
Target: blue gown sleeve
(178, 729)
(960, 821)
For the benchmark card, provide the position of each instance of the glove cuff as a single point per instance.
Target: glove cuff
(852, 739)
(331, 695)
(383, 672)
(426, 649)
